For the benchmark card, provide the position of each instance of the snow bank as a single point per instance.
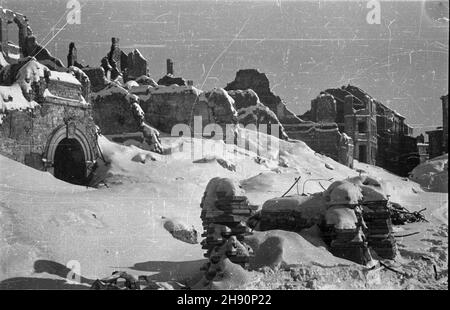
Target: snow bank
(279, 248)
(432, 174)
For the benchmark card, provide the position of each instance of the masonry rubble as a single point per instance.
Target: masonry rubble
(224, 216)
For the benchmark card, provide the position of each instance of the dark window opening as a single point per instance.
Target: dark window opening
(13, 34)
(362, 154)
(69, 162)
(362, 126)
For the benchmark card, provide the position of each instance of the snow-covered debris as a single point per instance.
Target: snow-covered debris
(224, 186)
(32, 71)
(180, 230)
(432, 175)
(3, 62)
(12, 98)
(131, 84)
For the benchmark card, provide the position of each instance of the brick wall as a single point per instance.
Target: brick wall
(24, 134)
(113, 114)
(328, 142)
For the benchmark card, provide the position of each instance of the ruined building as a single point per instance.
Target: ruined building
(438, 138)
(45, 120)
(9, 19)
(380, 135)
(27, 44)
(445, 121)
(354, 114)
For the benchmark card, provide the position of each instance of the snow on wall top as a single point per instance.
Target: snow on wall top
(174, 89)
(64, 77)
(11, 98)
(112, 89)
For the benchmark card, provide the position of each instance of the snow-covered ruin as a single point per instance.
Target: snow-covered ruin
(134, 138)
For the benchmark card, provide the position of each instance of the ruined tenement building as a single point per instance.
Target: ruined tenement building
(445, 122)
(379, 135)
(45, 121)
(438, 138)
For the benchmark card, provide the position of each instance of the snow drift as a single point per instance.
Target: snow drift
(432, 175)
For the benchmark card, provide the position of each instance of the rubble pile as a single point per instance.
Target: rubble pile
(225, 229)
(292, 213)
(120, 280)
(377, 216)
(349, 242)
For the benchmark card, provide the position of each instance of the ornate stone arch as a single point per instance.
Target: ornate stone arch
(70, 131)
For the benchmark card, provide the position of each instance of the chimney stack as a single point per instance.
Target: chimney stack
(169, 66)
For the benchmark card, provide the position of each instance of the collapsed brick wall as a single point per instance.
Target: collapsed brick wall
(113, 114)
(97, 78)
(164, 110)
(327, 140)
(251, 111)
(165, 107)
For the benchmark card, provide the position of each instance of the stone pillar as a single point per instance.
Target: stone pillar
(114, 55)
(72, 56)
(169, 66)
(4, 35)
(106, 67)
(24, 30)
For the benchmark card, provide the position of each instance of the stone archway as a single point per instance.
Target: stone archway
(69, 154)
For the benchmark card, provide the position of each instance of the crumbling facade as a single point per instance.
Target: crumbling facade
(27, 43)
(380, 136)
(322, 133)
(438, 138)
(8, 18)
(445, 121)
(356, 117)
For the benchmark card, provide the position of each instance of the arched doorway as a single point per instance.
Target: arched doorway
(69, 162)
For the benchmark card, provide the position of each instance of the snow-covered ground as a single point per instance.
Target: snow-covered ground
(48, 227)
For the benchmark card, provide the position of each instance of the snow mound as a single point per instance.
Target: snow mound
(279, 248)
(232, 276)
(432, 174)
